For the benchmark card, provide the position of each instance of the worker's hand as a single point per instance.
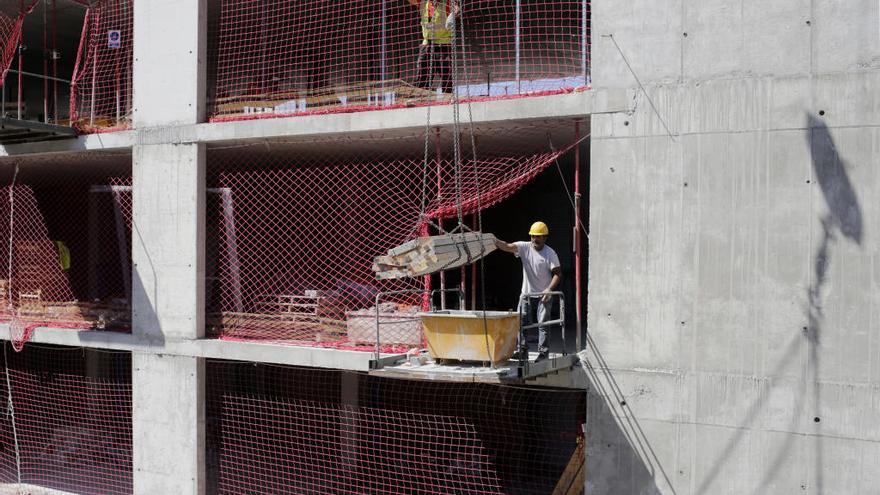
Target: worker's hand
(545, 298)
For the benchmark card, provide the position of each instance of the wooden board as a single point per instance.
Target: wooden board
(354, 94)
(432, 254)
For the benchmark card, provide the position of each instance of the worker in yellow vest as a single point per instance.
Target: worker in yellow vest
(435, 52)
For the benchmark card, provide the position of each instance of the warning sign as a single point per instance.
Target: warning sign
(114, 39)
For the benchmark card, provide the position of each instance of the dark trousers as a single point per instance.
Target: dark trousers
(434, 62)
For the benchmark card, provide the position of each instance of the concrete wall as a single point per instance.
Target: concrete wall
(734, 266)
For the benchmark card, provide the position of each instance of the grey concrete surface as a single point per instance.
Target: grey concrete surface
(168, 418)
(733, 265)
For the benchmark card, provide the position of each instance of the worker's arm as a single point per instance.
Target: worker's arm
(414, 3)
(505, 246)
(554, 282)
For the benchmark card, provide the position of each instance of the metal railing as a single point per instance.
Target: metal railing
(526, 298)
(379, 297)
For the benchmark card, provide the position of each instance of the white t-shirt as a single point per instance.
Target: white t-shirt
(537, 266)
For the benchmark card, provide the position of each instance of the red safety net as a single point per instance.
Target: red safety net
(292, 230)
(67, 417)
(283, 57)
(12, 14)
(101, 91)
(274, 429)
(67, 263)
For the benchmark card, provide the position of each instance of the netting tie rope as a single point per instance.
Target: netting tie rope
(10, 410)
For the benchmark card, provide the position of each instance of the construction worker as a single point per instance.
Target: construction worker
(435, 52)
(541, 274)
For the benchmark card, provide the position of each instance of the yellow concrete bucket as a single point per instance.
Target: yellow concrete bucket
(463, 335)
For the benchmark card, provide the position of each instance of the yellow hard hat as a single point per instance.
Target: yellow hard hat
(539, 228)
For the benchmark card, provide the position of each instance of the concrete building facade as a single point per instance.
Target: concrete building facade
(732, 248)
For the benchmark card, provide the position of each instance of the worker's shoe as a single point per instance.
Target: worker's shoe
(542, 356)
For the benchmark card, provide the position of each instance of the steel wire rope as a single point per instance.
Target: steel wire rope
(473, 142)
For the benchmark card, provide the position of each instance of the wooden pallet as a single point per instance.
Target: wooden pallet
(354, 94)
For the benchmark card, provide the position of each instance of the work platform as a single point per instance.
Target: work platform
(510, 372)
(14, 131)
(553, 371)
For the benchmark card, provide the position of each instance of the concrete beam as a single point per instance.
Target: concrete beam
(500, 112)
(121, 140)
(305, 127)
(316, 357)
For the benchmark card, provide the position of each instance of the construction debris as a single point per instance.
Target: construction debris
(432, 254)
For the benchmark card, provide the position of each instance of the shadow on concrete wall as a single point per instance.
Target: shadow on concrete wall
(148, 318)
(842, 219)
(617, 446)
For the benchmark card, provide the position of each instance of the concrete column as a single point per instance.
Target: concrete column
(169, 77)
(169, 424)
(168, 242)
(168, 247)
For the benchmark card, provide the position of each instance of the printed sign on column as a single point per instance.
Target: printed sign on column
(114, 39)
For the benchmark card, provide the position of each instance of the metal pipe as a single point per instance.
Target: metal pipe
(474, 272)
(39, 76)
(45, 64)
(559, 321)
(584, 38)
(94, 84)
(55, 60)
(440, 219)
(20, 50)
(379, 295)
(382, 53)
(517, 42)
(577, 235)
(97, 22)
(118, 70)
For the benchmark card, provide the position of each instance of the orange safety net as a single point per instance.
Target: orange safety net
(279, 429)
(12, 14)
(285, 57)
(65, 237)
(293, 229)
(67, 422)
(101, 88)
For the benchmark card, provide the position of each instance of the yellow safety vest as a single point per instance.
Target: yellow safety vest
(434, 15)
(63, 255)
